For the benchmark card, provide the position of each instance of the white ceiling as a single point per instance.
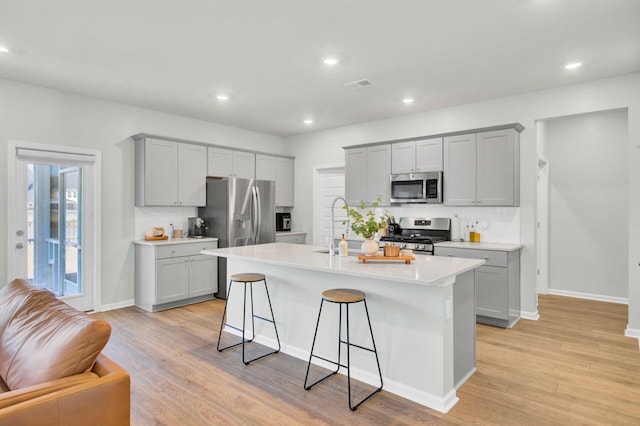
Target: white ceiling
(175, 56)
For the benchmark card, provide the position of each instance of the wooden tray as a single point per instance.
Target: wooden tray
(164, 237)
(406, 259)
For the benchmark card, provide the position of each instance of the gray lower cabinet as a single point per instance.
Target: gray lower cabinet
(497, 284)
(171, 275)
(291, 238)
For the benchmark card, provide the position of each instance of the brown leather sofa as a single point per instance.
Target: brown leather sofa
(51, 369)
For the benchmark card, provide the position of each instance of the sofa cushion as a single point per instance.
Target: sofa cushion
(12, 296)
(46, 339)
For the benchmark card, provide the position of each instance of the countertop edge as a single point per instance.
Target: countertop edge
(481, 246)
(174, 241)
(441, 281)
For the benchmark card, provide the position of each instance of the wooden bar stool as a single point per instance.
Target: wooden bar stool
(248, 280)
(343, 296)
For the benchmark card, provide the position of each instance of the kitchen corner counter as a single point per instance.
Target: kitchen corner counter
(480, 246)
(175, 241)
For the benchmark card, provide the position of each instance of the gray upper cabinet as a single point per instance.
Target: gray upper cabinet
(417, 156)
(265, 167)
(284, 182)
(227, 162)
(378, 174)
(498, 168)
(279, 170)
(220, 162)
(170, 173)
(367, 174)
(460, 170)
(244, 164)
(355, 175)
(192, 173)
(482, 169)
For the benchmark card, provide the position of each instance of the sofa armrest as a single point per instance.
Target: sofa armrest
(101, 400)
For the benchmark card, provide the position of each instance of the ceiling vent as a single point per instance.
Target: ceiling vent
(360, 83)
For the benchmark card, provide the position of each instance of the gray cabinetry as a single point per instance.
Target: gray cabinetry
(367, 174)
(460, 170)
(297, 238)
(223, 162)
(497, 284)
(355, 175)
(419, 156)
(280, 170)
(482, 169)
(170, 173)
(219, 162)
(169, 275)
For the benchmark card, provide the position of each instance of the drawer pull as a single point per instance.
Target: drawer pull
(486, 258)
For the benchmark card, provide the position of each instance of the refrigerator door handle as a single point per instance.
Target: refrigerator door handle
(254, 215)
(259, 215)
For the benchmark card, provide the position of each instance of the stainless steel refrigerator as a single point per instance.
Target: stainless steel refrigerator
(240, 212)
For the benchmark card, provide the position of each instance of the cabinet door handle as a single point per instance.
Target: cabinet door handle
(486, 258)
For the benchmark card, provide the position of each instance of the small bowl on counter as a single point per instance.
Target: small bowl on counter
(406, 252)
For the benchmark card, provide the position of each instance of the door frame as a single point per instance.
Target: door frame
(95, 199)
(542, 225)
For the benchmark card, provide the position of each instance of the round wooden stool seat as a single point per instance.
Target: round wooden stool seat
(248, 277)
(343, 295)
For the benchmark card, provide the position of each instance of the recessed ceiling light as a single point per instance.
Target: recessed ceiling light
(573, 65)
(222, 97)
(307, 121)
(4, 49)
(330, 62)
(408, 100)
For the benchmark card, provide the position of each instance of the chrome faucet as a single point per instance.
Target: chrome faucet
(332, 247)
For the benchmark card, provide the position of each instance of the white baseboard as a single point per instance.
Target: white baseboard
(532, 316)
(118, 305)
(441, 404)
(630, 332)
(589, 296)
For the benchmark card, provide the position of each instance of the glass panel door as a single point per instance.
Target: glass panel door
(54, 224)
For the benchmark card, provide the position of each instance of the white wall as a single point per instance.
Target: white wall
(40, 115)
(588, 203)
(324, 147)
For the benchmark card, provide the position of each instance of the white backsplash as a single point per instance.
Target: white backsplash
(149, 217)
(502, 223)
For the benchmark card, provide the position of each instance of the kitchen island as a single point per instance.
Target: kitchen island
(422, 314)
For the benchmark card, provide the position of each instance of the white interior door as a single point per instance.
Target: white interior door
(53, 223)
(329, 184)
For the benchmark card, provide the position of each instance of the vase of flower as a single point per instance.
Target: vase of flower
(369, 247)
(364, 222)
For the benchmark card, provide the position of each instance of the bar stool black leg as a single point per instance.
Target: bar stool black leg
(244, 317)
(306, 377)
(351, 406)
(338, 364)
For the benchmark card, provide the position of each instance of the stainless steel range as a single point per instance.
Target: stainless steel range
(419, 234)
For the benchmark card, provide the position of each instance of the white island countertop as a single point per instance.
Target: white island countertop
(424, 270)
(480, 246)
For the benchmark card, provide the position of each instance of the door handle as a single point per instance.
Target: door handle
(19, 246)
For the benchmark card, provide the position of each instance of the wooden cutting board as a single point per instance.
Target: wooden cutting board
(164, 237)
(406, 259)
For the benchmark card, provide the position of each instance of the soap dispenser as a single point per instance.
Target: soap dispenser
(343, 247)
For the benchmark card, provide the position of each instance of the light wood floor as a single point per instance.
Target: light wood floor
(573, 366)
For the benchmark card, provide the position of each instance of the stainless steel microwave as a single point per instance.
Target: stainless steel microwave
(416, 188)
